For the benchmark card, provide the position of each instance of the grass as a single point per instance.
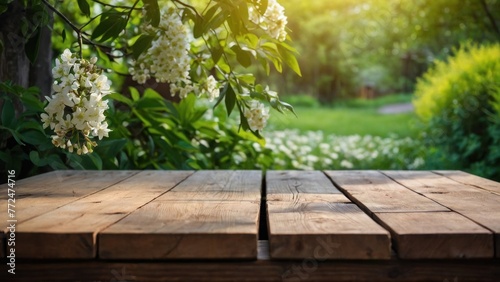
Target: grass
(352, 117)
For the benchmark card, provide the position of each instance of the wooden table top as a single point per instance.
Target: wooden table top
(373, 220)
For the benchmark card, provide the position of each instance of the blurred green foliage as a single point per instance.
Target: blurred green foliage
(385, 44)
(458, 101)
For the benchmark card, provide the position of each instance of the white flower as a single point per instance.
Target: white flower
(256, 115)
(75, 111)
(273, 21)
(167, 59)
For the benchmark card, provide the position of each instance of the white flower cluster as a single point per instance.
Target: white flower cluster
(167, 59)
(76, 108)
(211, 88)
(256, 115)
(273, 21)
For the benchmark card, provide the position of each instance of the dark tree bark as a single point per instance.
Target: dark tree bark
(14, 65)
(41, 70)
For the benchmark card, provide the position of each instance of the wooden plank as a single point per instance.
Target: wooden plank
(471, 179)
(257, 270)
(212, 214)
(437, 235)
(310, 186)
(325, 231)
(375, 192)
(70, 231)
(184, 230)
(474, 203)
(216, 185)
(45, 192)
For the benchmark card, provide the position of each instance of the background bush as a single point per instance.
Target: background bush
(458, 101)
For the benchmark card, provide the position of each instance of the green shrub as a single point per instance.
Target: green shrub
(458, 100)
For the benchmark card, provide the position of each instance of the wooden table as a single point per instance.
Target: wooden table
(246, 225)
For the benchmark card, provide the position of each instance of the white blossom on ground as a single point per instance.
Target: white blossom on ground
(257, 115)
(310, 150)
(75, 110)
(273, 21)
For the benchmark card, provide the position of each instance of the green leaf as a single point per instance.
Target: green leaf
(289, 59)
(134, 93)
(84, 7)
(120, 98)
(216, 54)
(222, 95)
(111, 25)
(141, 44)
(8, 114)
(199, 27)
(34, 137)
(230, 100)
(96, 160)
(243, 57)
(217, 20)
(152, 11)
(35, 158)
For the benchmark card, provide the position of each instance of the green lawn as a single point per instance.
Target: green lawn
(346, 121)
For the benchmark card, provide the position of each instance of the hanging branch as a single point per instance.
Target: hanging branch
(79, 32)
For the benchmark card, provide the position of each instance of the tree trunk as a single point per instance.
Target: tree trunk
(14, 65)
(41, 70)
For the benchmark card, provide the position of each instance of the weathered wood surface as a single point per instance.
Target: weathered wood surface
(376, 192)
(219, 185)
(470, 179)
(309, 217)
(142, 217)
(324, 230)
(187, 230)
(70, 230)
(421, 227)
(437, 235)
(478, 204)
(43, 193)
(211, 215)
(302, 186)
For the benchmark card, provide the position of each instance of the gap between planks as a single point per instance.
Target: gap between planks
(309, 217)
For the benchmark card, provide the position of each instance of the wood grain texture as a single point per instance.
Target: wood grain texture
(477, 204)
(471, 179)
(324, 231)
(375, 192)
(309, 186)
(437, 235)
(46, 192)
(70, 231)
(216, 185)
(184, 230)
